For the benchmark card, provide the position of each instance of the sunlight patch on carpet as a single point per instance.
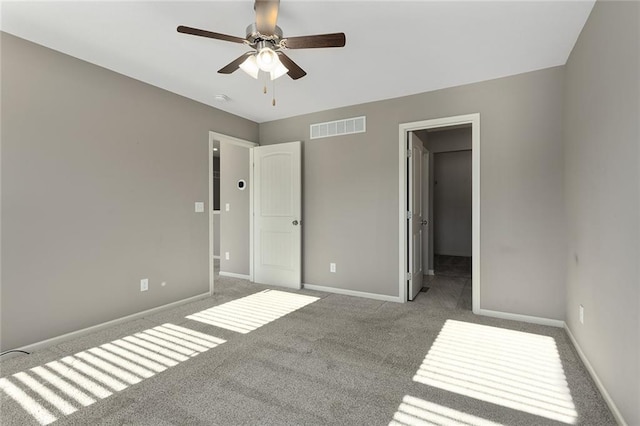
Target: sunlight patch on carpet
(59, 388)
(418, 412)
(517, 370)
(251, 312)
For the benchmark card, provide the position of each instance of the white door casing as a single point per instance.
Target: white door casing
(277, 215)
(415, 221)
(403, 242)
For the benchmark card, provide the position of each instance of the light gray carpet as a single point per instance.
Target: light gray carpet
(340, 360)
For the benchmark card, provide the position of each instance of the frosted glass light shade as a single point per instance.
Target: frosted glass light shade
(267, 59)
(279, 71)
(250, 66)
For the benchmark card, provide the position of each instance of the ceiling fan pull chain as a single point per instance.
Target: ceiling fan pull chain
(265, 84)
(273, 92)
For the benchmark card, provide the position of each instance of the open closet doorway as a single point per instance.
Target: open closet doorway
(440, 212)
(450, 242)
(215, 205)
(229, 207)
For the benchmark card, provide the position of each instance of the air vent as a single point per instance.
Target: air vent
(340, 127)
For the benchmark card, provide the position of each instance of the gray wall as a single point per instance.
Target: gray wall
(454, 139)
(602, 183)
(100, 173)
(452, 203)
(350, 191)
(234, 224)
(216, 235)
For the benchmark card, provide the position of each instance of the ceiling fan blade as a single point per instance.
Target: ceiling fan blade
(234, 65)
(266, 16)
(315, 41)
(295, 72)
(209, 34)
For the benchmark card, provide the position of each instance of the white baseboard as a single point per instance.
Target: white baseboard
(353, 293)
(291, 286)
(523, 318)
(431, 272)
(234, 275)
(603, 391)
(78, 333)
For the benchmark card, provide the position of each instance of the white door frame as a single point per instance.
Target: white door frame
(404, 129)
(214, 136)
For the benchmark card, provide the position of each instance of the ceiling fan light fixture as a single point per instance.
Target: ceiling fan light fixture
(267, 59)
(279, 71)
(250, 66)
(268, 44)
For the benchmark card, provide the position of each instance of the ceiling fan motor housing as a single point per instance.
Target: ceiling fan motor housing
(254, 36)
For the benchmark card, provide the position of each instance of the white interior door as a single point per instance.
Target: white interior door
(277, 215)
(415, 217)
(426, 255)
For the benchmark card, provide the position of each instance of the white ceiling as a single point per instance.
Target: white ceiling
(393, 48)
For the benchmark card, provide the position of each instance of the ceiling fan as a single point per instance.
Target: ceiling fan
(269, 44)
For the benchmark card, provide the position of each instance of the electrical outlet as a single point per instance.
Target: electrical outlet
(144, 284)
(226, 255)
(332, 267)
(199, 207)
(581, 314)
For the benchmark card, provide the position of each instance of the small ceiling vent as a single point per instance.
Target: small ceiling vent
(340, 127)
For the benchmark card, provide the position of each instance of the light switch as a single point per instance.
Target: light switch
(199, 207)
(226, 207)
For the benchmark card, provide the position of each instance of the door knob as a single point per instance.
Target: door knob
(423, 222)
(295, 223)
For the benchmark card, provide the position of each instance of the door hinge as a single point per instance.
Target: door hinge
(408, 153)
(409, 215)
(409, 276)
